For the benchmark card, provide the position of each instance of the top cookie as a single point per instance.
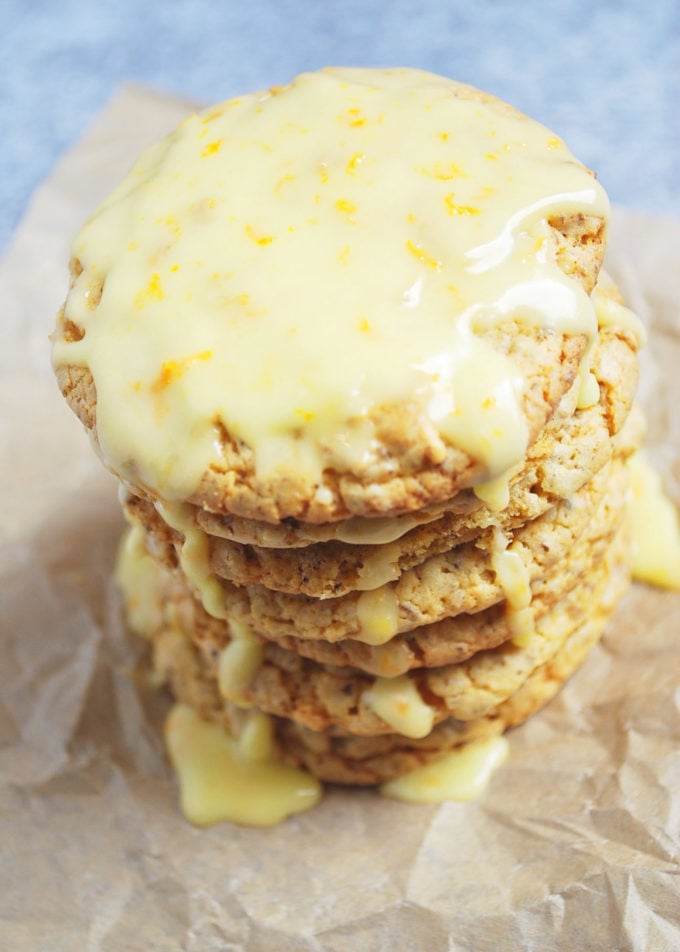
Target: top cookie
(353, 295)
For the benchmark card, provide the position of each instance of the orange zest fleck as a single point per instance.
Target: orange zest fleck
(284, 180)
(217, 112)
(443, 171)
(258, 239)
(354, 117)
(345, 206)
(454, 209)
(172, 370)
(153, 291)
(423, 256)
(171, 222)
(355, 162)
(212, 148)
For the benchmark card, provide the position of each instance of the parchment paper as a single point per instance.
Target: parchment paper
(574, 846)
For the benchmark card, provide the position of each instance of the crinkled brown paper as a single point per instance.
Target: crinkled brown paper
(573, 847)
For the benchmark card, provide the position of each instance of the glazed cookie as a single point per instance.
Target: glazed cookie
(339, 757)
(368, 760)
(322, 696)
(570, 449)
(458, 581)
(556, 469)
(444, 313)
(449, 641)
(168, 596)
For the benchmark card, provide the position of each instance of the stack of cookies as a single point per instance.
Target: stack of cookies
(377, 646)
(381, 500)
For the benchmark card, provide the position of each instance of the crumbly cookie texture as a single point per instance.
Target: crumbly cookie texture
(460, 580)
(446, 642)
(408, 468)
(321, 696)
(337, 756)
(569, 452)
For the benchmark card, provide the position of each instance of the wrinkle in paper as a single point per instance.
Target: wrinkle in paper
(574, 846)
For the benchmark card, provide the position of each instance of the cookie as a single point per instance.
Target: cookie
(339, 757)
(454, 274)
(560, 463)
(570, 450)
(370, 760)
(458, 581)
(449, 641)
(322, 696)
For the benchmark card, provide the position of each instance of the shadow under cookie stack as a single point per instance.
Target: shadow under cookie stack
(371, 621)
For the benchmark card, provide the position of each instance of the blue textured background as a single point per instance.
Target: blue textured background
(605, 76)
